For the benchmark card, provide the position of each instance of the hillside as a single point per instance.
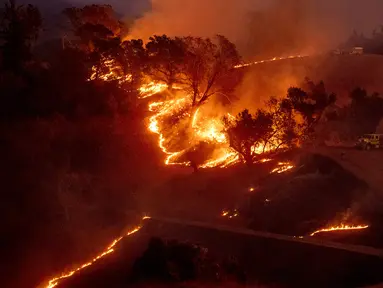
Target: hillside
(340, 73)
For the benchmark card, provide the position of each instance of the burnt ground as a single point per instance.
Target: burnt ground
(266, 261)
(319, 191)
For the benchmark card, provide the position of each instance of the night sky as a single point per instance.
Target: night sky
(361, 14)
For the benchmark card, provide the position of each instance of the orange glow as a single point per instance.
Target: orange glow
(56, 280)
(265, 160)
(269, 60)
(282, 167)
(114, 72)
(230, 213)
(151, 88)
(341, 227)
(204, 127)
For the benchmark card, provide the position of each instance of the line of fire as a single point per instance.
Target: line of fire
(191, 144)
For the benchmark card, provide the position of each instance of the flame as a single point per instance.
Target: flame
(282, 167)
(270, 60)
(151, 88)
(204, 127)
(341, 227)
(114, 72)
(56, 280)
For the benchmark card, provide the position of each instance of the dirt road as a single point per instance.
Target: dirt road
(366, 165)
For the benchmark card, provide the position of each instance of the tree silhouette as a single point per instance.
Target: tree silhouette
(310, 101)
(366, 110)
(285, 128)
(249, 131)
(207, 64)
(166, 56)
(20, 27)
(133, 58)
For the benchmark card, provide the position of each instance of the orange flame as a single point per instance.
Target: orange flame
(204, 129)
(115, 72)
(282, 167)
(341, 227)
(269, 60)
(56, 280)
(230, 213)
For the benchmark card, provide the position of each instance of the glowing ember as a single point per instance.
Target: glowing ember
(269, 60)
(341, 227)
(230, 214)
(114, 72)
(265, 160)
(282, 167)
(55, 281)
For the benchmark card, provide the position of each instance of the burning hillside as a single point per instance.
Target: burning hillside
(184, 127)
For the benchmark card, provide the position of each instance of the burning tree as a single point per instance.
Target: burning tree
(207, 65)
(248, 132)
(165, 58)
(133, 58)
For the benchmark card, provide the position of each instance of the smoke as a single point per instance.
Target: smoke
(195, 17)
(263, 29)
(268, 27)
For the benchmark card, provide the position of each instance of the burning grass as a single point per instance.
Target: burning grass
(181, 128)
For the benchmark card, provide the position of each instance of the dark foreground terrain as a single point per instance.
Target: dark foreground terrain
(266, 260)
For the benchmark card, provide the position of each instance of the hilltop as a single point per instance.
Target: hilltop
(340, 73)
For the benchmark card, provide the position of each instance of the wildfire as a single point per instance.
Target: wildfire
(204, 128)
(269, 60)
(282, 167)
(55, 281)
(341, 227)
(151, 88)
(114, 72)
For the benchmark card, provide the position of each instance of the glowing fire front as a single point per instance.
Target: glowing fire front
(56, 280)
(204, 128)
(282, 167)
(269, 60)
(342, 227)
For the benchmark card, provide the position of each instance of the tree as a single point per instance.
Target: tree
(20, 28)
(207, 64)
(198, 154)
(165, 58)
(366, 110)
(310, 101)
(285, 127)
(248, 132)
(133, 58)
(96, 27)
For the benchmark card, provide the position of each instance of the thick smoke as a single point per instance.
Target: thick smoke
(196, 17)
(262, 27)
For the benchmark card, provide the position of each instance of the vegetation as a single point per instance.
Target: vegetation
(70, 139)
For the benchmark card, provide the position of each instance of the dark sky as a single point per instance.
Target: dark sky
(345, 14)
(327, 22)
(122, 6)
